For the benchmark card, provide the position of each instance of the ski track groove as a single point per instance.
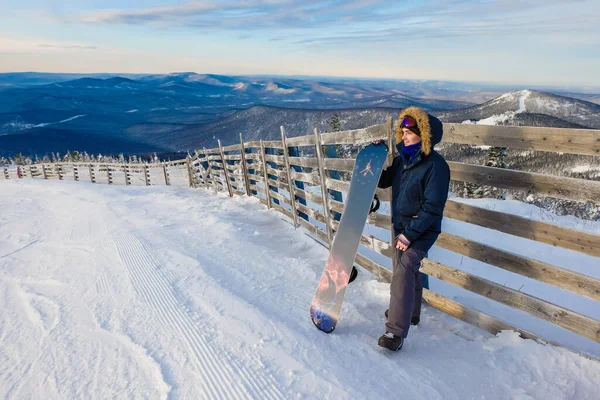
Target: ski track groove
(138, 259)
(250, 376)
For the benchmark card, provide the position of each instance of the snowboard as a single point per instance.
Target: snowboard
(327, 302)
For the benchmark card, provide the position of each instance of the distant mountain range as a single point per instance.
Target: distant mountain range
(135, 114)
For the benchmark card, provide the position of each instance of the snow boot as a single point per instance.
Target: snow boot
(353, 274)
(391, 341)
(413, 320)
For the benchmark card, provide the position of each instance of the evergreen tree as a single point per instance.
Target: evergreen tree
(495, 157)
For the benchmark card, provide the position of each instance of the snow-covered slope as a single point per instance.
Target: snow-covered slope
(135, 292)
(548, 109)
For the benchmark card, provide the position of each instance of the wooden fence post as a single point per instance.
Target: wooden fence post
(92, 177)
(75, 173)
(126, 171)
(188, 160)
(30, 172)
(167, 182)
(245, 166)
(59, 171)
(224, 164)
(108, 175)
(318, 147)
(6, 176)
(289, 177)
(264, 167)
(147, 174)
(44, 171)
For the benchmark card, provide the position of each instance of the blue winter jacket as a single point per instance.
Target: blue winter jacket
(419, 185)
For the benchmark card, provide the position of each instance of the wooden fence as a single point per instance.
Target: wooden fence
(307, 190)
(167, 173)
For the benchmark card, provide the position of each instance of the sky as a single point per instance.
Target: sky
(535, 42)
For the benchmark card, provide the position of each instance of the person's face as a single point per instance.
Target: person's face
(409, 137)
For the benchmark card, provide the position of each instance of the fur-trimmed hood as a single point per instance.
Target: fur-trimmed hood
(431, 128)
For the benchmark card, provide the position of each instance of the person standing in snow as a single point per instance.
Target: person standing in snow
(420, 179)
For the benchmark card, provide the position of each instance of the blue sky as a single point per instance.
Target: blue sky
(506, 41)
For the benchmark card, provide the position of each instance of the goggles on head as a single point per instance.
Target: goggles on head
(408, 122)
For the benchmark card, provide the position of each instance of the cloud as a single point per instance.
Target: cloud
(54, 46)
(36, 45)
(338, 22)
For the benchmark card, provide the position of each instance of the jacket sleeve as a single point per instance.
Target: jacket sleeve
(387, 175)
(436, 194)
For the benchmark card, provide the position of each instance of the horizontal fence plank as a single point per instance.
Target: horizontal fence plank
(233, 157)
(312, 178)
(343, 186)
(252, 144)
(313, 229)
(375, 268)
(253, 156)
(471, 316)
(278, 184)
(277, 159)
(340, 164)
(567, 319)
(529, 182)
(301, 141)
(540, 271)
(273, 144)
(279, 196)
(357, 136)
(257, 189)
(572, 141)
(311, 212)
(309, 162)
(571, 239)
(312, 197)
(282, 175)
(232, 147)
(282, 210)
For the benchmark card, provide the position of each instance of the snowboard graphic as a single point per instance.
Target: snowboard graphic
(327, 303)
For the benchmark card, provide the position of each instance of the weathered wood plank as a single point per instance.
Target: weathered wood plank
(343, 186)
(272, 144)
(312, 197)
(301, 141)
(470, 316)
(307, 162)
(312, 178)
(266, 177)
(290, 183)
(253, 156)
(375, 268)
(324, 192)
(310, 212)
(279, 197)
(357, 136)
(232, 147)
(543, 272)
(279, 174)
(560, 316)
(233, 157)
(572, 141)
(284, 211)
(313, 229)
(571, 239)
(253, 144)
(278, 184)
(245, 166)
(276, 159)
(529, 182)
(340, 164)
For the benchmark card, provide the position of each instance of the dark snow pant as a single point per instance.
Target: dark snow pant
(406, 291)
